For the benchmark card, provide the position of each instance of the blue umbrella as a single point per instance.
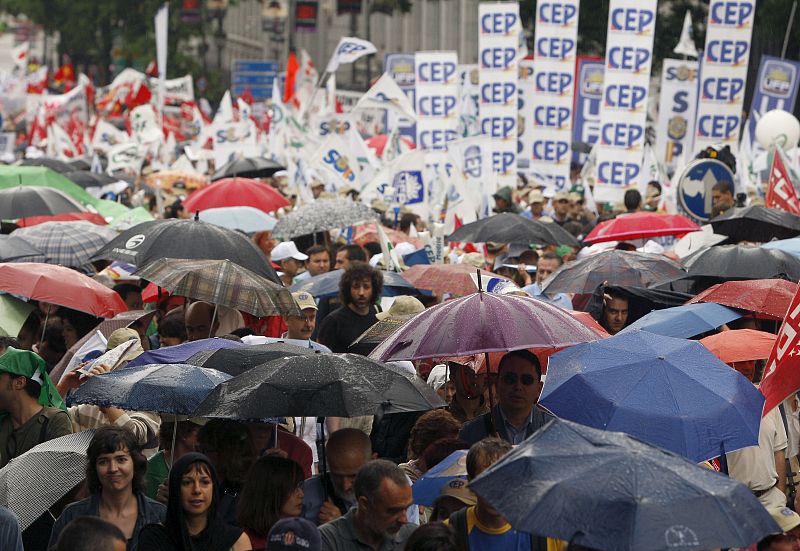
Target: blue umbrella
(672, 393)
(429, 486)
(181, 352)
(327, 284)
(791, 246)
(606, 490)
(165, 388)
(685, 321)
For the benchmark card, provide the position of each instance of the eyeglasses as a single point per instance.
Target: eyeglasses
(511, 378)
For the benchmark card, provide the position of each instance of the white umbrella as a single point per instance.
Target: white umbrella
(697, 240)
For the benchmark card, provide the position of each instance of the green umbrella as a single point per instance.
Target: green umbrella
(131, 218)
(110, 210)
(13, 313)
(14, 175)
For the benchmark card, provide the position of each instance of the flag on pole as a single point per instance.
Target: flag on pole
(20, 55)
(782, 374)
(160, 21)
(780, 189)
(686, 45)
(349, 50)
(391, 262)
(386, 94)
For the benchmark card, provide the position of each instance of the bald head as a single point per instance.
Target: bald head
(197, 319)
(347, 451)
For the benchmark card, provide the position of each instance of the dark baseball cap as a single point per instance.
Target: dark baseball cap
(294, 534)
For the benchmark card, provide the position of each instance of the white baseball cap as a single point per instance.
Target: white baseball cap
(287, 249)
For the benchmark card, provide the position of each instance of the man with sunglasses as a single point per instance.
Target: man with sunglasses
(515, 416)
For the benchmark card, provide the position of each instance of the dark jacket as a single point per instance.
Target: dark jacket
(481, 427)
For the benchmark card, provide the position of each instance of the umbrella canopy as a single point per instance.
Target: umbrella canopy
(455, 279)
(671, 393)
(13, 247)
(92, 217)
(322, 215)
(587, 319)
(13, 313)
(254, 167)
(513, 228)
(427, 488)
(39, 176)
(79, 164)
(616, 267)
(165, 388)
(220, 282)
(34, 481)
(640, 225)
(791, 246)
(61, 286)
(166, 179)
(66, 243)
(606, 490)
(236, 192)
(381, 330)
(327, 284)
(740, 345)
(87, 179)
(757, 223)
(129, 219)
(483, 322)
(182, 352)
(768, 297)
(235, 361)
(366, 233)
(696, 241)
(685, 321)
(48, 162)
(21, 201)
(186, 239)
(742, 262)
(246, 219)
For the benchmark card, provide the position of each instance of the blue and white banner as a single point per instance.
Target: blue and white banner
(623, 113)
(469, 123)
(498, 61)
(588, 98)
(401, 183)
(776, 88)
(436, 83)
(336, 163)
(676, 111)
(526, 92)
(723, 73)
(473, 159)
(555, 50)
(349, 50)
(401, 68)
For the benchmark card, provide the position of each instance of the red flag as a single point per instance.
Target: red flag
(782, 374)
(780, 190)
(292, 66)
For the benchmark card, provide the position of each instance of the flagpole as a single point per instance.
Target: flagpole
(788, 30)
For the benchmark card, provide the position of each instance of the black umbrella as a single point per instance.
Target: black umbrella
(616, 267)
(79, 164)
(513, 228)
(319, 385)
(53, 164)
(742, 262)
(235, 361)
(757, 223)
(13, 247)
(186, 239)
(641, 301)
(85, 179)
(253, 167)
(23, 201)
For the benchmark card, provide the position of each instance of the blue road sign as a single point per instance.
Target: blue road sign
(694, 186)
(255, 75)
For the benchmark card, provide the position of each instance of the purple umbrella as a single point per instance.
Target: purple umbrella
(182, 352)
(483, 322)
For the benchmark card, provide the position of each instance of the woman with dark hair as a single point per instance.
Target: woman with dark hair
(193, 523)
(434, 536)
(274, 491)
(115, 472)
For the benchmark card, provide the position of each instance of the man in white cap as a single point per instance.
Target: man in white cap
(301, 327)
(290, 259)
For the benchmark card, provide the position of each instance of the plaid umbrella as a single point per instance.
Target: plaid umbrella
(381, 331)
(33, 482)
(66, 243)
(323, 215)
(220, 282)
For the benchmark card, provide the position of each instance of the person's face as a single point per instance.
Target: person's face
(386, 512)
(317, 191)
(419, 224)
(133, 301)
(449, 391)
(616, 314)
(544, 268)
(293, 505)
(518, 385)
(561, 207)
(301, 327)
(115, 470)
(261, 436)
(468, 383)
(361, 292)
(69, 333)
(7, 389)
(290, 266)
(343, 469)
(318, 263)
(169, 341)
(500, 204)
(721, 199)
(536, 210)
(342, 262)
(446, 506)
(197, 492)
(746, 368)
(26, 339)
(198, 324)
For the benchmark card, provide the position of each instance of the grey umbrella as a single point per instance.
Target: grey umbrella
(513, 228)
(322, 215)
(23, 201)
(66, 243)
(13, 247)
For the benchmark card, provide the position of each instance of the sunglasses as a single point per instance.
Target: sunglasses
(511, 378)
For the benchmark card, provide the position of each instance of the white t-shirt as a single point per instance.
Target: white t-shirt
(755, 466)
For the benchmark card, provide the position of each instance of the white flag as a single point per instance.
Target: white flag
(349, 50)
(106, 135)
(126, 157)
(391, 261)
(225, 110)
(20, 55)
(337, 162)
(59, 144)
(144, 126)
(401, 182)
(686, 45)
(386, 94)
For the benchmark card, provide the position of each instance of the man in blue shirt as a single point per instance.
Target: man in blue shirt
(546, 265)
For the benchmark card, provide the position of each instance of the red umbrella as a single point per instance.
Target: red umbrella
(378, 143)
(365, 233)
(640, 225)
(236, 192)
(587, 319)
(768, 297)
(740, 345)
(61, 286)
(92, 217)
(445, 278)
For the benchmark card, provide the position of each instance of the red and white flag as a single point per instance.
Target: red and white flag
(780, 190)
(782, 374)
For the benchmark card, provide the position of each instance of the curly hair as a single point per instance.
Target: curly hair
(356, 272)
(110, 440)
(429, 428)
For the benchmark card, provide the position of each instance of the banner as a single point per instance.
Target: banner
(776, 88)
(469, 123)
(436, 83)
(106, 135)
(782, 373)
(588, 98)
(781, 193)
(126, 157)
(555, 48)
(473, 159)
(401, 68)
(349, 50)
(676, 111)
(386, 94)
(525, 93)
(337, 162)
(499, 27)
(623, 113)
(401, 183)
(723, 74)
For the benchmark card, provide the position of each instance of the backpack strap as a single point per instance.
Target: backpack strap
(458, 521)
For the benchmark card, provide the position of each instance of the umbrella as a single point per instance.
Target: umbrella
(13, 247)
(327, 284)
(61, 286)
(381, 330)
(685, 321)
(615, 267)
(606, 490)
(455, 279)
(66, 243)
(39, 176)
(513, 228)
(742, 262)
(671, 393)
(235, 361)
(246, 219)
(182, 352)
(220, 282)
(322, 215)
(768, 297)
(740, 345)
(22, 201)
(86, 179)
(697, 240)
(254, 167)
(791, 246)
(13, 313)
(483, 322)
(48, 162)
(319, 385)
(166, 179)
(640, 225)
(187, 239)
(757, 223)
(131, 218)
(587, 319)
(79, 164)
(428, 487)
(236, 192)
(366, 233)
(165, 388)
(34, 481)
(92, 217)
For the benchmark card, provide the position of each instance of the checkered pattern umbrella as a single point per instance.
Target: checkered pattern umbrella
(33, 482)
(66, 243)
(220, 282)
(322, 215)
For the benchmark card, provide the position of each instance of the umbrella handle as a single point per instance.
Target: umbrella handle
(323, 467)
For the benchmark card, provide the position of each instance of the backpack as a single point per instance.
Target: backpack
(458, 521)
